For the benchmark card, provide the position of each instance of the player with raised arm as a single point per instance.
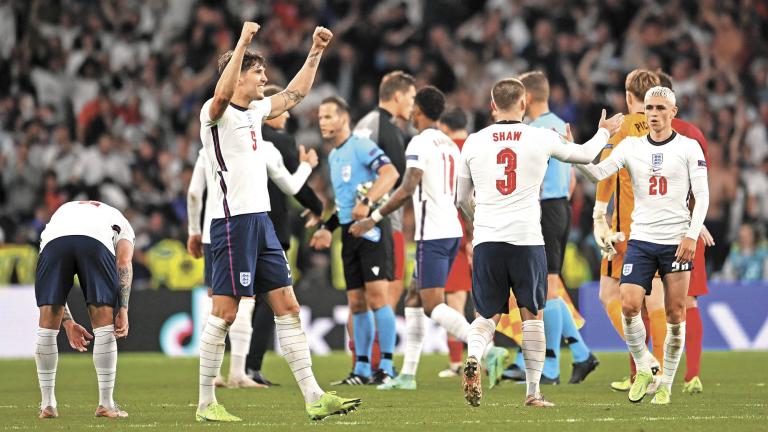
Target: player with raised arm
(244, 247)
(500, 173)
(368, 260)
(199, 245)
(94, 242)
(664, 166)
(430, 181)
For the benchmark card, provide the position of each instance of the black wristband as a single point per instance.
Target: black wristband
(331, 224)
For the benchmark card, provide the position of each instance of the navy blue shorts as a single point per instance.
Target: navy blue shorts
(207, 264)
(245, 254)
(63, 258)
(643, 259)
(434, 259)
(499, 266)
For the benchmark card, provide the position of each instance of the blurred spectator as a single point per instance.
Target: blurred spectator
(748, 259)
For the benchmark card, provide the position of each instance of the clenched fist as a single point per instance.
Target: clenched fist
(249, 31)
(322, 37)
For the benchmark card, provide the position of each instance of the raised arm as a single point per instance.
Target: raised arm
(124, 252)
(225, 87)
(299, 86)
(585, 153)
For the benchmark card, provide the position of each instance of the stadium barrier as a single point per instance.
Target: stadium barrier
(734, 314)
(735, 318)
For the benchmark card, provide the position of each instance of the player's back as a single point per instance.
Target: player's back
(507, 162)
(87, 218)
(436, 155)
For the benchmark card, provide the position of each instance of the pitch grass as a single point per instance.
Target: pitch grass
(160, 393)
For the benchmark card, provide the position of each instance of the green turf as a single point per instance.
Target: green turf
(161, 393)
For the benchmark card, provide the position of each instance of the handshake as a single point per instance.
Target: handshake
(604, 236)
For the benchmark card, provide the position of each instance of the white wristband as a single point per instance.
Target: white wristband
(377, 216)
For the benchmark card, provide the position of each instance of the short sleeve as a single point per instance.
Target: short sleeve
(416, 154)
(263, 107)
(464, 159)
(370, 155)
(122, 228)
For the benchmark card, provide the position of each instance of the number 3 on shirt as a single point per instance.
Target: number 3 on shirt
(508, 158)
(657, 186)
(253, 137)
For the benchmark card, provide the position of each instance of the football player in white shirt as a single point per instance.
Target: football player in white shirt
(430, 180)
(503, 166)
(199, 245)
(95, 242)
(244, 247)
(664, 166)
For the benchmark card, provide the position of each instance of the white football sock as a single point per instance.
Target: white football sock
(240, 338)
(634, 334)
(105, 362)
(293, 344)
(211, 357)
(673, 350)
(534, 351)
(453, 321)
(47, 359)
(480, 337)
(415, 328)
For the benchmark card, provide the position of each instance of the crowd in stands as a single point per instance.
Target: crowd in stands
(100, 99)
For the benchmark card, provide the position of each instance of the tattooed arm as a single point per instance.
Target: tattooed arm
(299, 86)
(125, 278)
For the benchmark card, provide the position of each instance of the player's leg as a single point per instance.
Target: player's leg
(584, 362)
(553, 329)
(436, 259)
(396, 286)
(415, 329)
(240, 340)
(97, 273)
(53, 280)
(207, 274)
(657, 317)
(638, 270)
(263, 323)
(457, 300)
(675, 293)
(528, 274)
(694, 330)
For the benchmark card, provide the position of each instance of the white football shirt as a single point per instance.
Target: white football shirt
(662, 174)
(88, 218)
(434, 206)
(237, 158)
(202, 179)
(506, 162)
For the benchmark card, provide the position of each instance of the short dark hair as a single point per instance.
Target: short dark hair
(454, 119)
(431, 102)
(664, 79)
(341, 104)
(250, 59)
(393, 82)
(272, 90)
(536, 84)
(507, 92)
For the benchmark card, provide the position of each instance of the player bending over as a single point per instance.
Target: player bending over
(663, 166)
(95, 242)
(503, 167)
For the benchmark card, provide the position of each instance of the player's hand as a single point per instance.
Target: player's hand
(685, 251)
(312, 219)
(321, 239)
(121, 323)
(195, 245)
(611, 240)
(309, 157)
(78, 336)
(601, 230)
(321, 38)
(705, 236)
(613, 124)
(360, 211)
(249, 31)
(361, 227)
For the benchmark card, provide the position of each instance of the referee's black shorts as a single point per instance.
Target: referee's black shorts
(555, 225)
(365, 260)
